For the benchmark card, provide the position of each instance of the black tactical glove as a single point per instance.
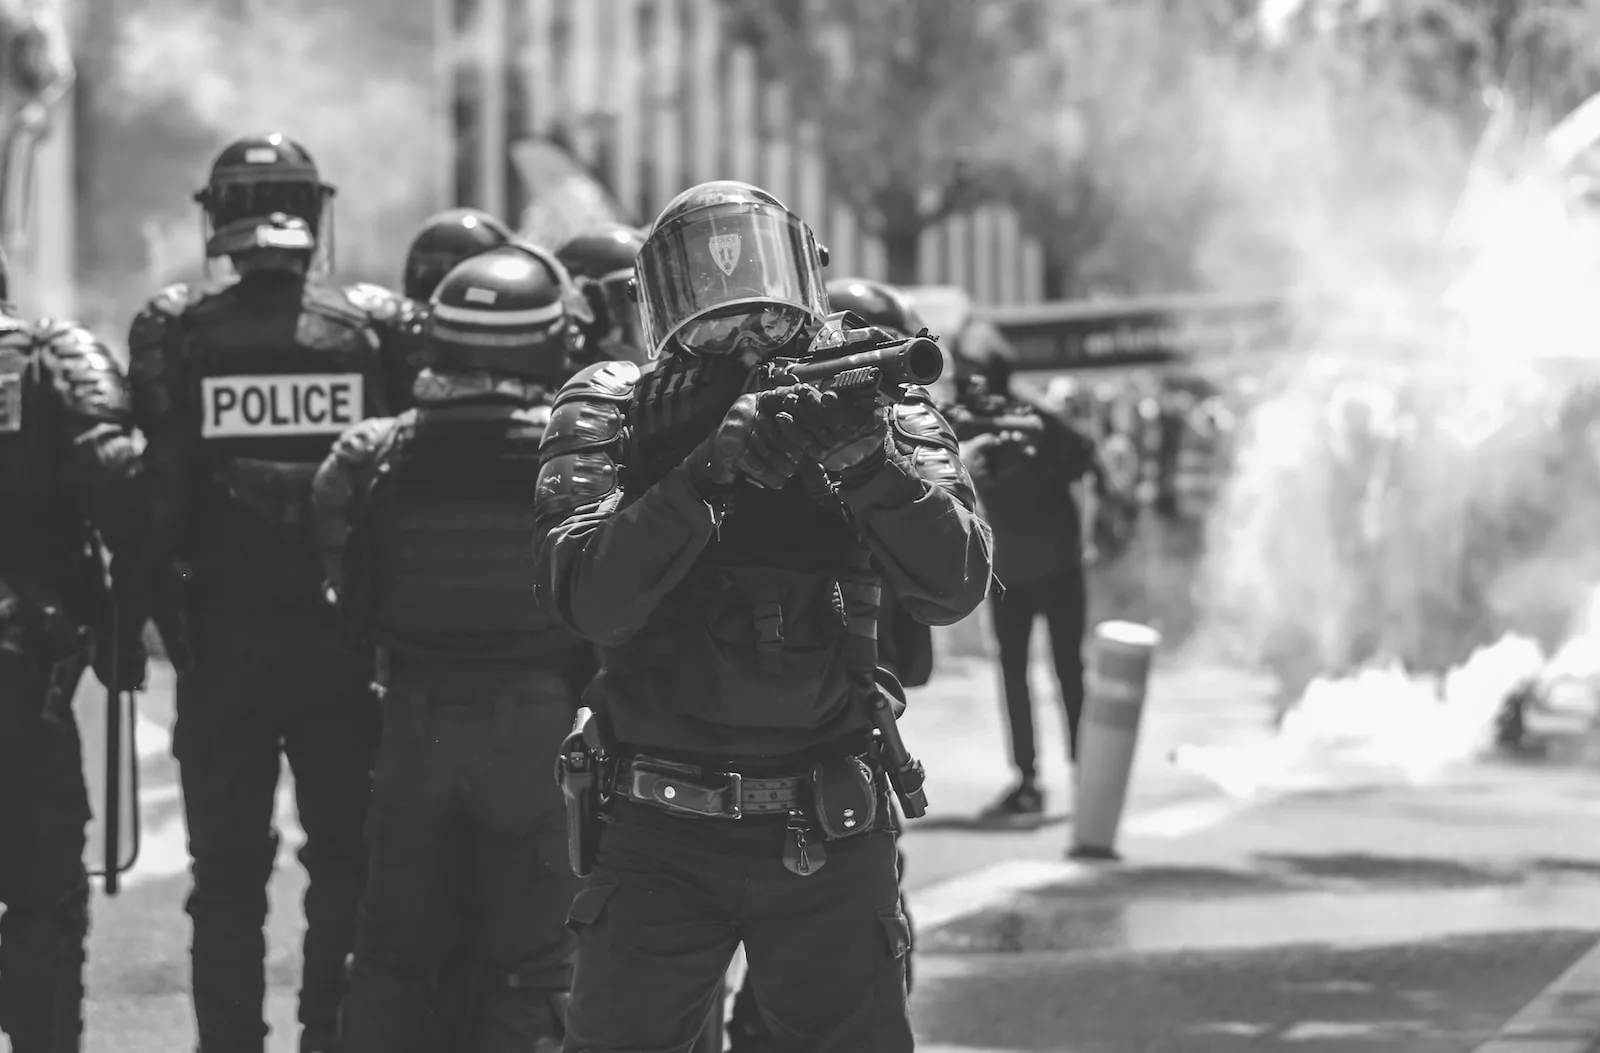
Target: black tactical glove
(759, 437)
(131, 663)
(842, 434)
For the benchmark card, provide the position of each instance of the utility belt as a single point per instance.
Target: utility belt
(835, 798)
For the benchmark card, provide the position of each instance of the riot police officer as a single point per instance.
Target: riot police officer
(423, 521)
(601, 263)
(240, 387)
(724, 542)
(69, 467)
(444, 240)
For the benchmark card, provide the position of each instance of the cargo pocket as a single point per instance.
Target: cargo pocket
(588, 906)
(898, 931)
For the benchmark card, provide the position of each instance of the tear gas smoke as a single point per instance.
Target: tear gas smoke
(172, 81)
(1409, 528)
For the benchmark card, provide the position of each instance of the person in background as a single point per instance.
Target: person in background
(1035, 475)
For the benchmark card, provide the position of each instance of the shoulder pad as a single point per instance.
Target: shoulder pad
(581, 421)
(917, 423)
(611, 381)
(83, 372)
(376, 302)
(570, 481)
(177, 298)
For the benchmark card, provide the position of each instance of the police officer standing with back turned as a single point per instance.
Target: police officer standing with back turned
(239, 390)
(443, 240)
(722, 532)
(69, 467)
(424, 523)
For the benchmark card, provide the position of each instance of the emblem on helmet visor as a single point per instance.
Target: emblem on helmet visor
(724, 251)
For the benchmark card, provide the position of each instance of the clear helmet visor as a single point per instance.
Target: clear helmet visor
(729, 279)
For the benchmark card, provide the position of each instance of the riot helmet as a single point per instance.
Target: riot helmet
(444, 240)
(503, 311)
(728, 270)
(875, 303)
(601, 263)
(265, 193)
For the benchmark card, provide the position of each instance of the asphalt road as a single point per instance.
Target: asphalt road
(1372, 917)
(138, 973)
(1353, 920)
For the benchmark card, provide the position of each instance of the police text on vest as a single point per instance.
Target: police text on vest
(264, 406)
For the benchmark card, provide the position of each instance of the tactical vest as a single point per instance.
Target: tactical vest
(775, 627)
(281, 368)
(448, 536)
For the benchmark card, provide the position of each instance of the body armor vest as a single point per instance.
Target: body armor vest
(449, 529)
(280, 368)
(776, 625)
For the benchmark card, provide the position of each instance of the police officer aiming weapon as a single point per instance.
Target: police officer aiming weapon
(723, 526)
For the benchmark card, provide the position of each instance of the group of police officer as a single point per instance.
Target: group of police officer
(607, 481)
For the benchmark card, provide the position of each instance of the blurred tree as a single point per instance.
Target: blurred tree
(1080, 114)
(914, 100)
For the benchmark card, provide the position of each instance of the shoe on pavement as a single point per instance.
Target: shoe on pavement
(1021, 805)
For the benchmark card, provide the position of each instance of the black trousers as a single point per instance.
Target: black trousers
(254, 698)
(672, 897)
(44, 888)
(1063, 601)
(463, 790)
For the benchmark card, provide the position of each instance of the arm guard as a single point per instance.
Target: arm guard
(580, 455)
(606, 561)
(918, 515)
(102, 463)
(341, 484)
(928, 444)
(157, 376)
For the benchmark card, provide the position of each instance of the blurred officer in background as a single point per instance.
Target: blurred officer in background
(69, 469)
(601, 263)
(1032, 471)
(723, 546)
(423, 522)
(240, 387)
(444, 240)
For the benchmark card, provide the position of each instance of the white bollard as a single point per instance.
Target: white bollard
(1119, 674)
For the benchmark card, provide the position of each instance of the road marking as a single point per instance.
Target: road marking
(999, 883)
(989, 886)
(1563, 1018)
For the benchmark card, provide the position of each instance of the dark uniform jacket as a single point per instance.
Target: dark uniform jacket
(240, 391)
(744, 637)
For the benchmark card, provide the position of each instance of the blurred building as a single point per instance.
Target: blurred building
(653, 96)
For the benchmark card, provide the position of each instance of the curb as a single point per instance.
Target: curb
(1563, 1018)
